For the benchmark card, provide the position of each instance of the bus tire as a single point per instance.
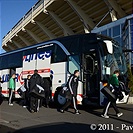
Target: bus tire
(58, 99)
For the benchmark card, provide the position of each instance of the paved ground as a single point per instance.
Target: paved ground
(19, 120)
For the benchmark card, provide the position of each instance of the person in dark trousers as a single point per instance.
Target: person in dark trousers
(1, 97)
(11, 89)
(0, 85)
(72, 86)
(47, 92)
(26, 93)
(114, 84)
(34, 101)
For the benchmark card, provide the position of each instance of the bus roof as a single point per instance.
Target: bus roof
(91, 35)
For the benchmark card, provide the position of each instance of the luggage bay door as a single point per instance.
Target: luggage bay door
(43, 64)
(5, 75)
(29, 63)
(40, 61)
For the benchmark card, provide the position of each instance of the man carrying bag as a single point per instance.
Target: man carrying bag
(1, 97)
(111, 92)
(71, 93)
(36, 89)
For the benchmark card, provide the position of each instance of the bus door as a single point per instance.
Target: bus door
(74, 64)
(90, 76)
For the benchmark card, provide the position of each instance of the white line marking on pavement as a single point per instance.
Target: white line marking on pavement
(4, 121)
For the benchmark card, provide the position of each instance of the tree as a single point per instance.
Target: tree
(130, 78)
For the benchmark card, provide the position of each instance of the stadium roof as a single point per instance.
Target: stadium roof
(49, 19)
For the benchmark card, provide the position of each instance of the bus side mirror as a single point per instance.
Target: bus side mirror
(109, 46)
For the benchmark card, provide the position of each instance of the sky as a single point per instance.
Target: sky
(11, 11)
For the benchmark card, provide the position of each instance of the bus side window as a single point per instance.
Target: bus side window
(59, 55)
(53, 56)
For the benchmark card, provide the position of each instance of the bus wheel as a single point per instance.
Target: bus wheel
(58, 99)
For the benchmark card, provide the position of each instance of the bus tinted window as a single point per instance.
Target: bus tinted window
(3, 63)
(10, 61)
(49, 47)
(15, 60)
(89, 44)
(71, 44)
(59, 55)
(74, 49)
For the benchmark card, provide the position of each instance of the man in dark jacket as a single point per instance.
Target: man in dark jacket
(34, 101)
(114, 82)
(72, 86)
(47, 92)
(0, 85)
(26, 93)
(1, 98)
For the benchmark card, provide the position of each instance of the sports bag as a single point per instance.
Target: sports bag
(37, 92)
(21, 90)
(107, 92)
(65, 92)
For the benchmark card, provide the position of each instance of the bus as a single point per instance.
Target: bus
(96, 57)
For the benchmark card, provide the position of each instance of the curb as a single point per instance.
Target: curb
(130, 100)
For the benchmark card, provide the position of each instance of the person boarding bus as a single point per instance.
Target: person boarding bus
(72, 86)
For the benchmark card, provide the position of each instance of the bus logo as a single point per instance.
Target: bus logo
(5, 77)
(40, 56)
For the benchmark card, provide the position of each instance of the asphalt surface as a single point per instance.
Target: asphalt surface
(17, 119)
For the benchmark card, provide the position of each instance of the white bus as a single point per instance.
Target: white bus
(94, 55)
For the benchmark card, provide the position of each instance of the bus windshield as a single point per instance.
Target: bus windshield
(116, 60)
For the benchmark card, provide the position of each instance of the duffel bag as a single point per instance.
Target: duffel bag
(37, 92)
(107, 92)
(21, 91)
(65, 92)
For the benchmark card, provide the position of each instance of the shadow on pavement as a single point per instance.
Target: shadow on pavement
(60, 128)
(127, 108)
(5, 129)
(97, 113)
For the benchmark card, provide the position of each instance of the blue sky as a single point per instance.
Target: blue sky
(11, 11)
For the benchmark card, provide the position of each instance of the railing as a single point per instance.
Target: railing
(28, 17)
